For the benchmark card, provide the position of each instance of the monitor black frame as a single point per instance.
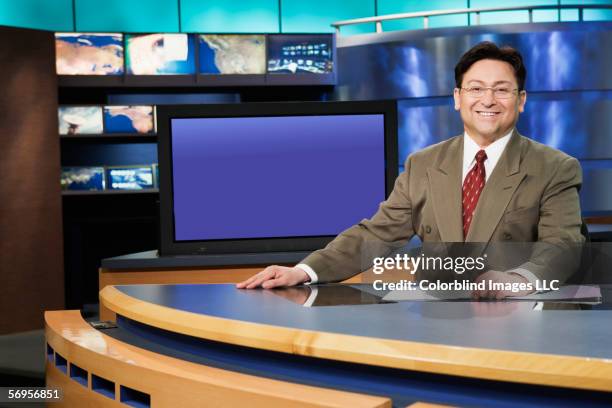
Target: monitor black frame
(168, 244)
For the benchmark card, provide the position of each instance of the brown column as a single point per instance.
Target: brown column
(31, 254)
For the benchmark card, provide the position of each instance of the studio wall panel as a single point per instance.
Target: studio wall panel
(220, 16)
(127, 16)
(53, 15)
(31, 254)
(596, 195)
(422, 123)
(577, 123)
(315, 16)
(569, 102)
(597, 15)
(510, 17)
(416, 64)
(565, 2)
(413, 6)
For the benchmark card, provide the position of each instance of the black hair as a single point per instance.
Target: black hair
(489, 50)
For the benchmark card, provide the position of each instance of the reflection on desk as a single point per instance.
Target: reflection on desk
(458, 353)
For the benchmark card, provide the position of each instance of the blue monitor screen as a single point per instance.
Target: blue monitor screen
(275, 176)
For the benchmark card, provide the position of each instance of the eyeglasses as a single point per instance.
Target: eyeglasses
(498, 93)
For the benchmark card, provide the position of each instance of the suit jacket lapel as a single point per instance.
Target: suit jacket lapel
(445, 188)
(497, 192)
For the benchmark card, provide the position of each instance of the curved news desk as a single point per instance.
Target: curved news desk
(265, 347)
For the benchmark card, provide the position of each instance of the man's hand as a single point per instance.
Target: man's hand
(275, 276)
(501, 277)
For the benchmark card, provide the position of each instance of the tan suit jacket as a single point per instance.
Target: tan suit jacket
(531, 195)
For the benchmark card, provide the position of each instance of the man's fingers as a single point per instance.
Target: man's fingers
(274, 276)
(274, 283)
(261, 278)
(256, 280)
(250, 280)
(244, 283)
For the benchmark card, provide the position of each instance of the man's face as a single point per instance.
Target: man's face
(487, 118)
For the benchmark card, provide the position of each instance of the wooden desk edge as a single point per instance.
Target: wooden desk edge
(521, 367)
(221, 274)
(170, 381)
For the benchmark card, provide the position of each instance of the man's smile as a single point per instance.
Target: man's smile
(487, 113)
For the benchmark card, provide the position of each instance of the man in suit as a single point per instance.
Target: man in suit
(489, 184)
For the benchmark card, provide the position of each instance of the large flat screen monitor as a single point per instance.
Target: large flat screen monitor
(268, 177)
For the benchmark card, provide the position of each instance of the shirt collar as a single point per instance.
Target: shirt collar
(493, 151)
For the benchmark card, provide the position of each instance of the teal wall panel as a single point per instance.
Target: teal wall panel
(569, 15)
(586, 2)
(222, 16)
(127, 15)
(510, 17)
(49, 15)
(544, 16)
(315, 16)
(413, 6)
(597, 15)
(589, 14)
(264, 16)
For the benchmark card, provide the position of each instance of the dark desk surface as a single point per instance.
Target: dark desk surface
(496, 340)
(152, 260)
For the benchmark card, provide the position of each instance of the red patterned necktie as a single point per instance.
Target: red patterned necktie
(472, 187)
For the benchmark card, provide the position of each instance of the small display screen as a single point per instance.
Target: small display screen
(89, 54)
(300, 54)
(232, 54)
(82, 178)
(80, 120)
(160, 54)
(129, 119)
(129, 178)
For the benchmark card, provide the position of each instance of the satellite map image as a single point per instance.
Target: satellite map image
(232, 54)
(80, 120)
(89, 54)
(128, 119)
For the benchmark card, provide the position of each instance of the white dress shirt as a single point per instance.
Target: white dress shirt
(493, 151)
(470, 148)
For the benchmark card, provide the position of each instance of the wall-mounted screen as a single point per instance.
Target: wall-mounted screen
(271, 176)
(129, 119)
(232, 54)
(80, 120)
(89, 54)
(300, 54)
(82, 178)
(129, 177)
(160, 54)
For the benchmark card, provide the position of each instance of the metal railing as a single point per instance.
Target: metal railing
(477, 11)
